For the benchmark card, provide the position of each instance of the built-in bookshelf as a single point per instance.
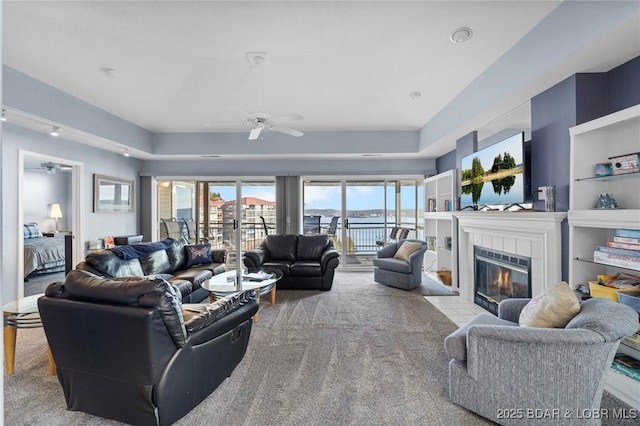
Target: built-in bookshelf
(591, 228)
(440, 225)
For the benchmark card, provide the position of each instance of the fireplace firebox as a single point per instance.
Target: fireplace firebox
(500, 276)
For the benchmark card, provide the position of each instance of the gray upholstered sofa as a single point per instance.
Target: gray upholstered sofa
(497, 366)
(400, 273)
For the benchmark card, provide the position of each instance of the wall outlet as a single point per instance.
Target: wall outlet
(542, 193)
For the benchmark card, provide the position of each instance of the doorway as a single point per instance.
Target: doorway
(51, 193)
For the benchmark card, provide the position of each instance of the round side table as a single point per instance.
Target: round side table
(21, 313)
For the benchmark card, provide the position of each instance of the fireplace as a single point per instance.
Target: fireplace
(500, 276)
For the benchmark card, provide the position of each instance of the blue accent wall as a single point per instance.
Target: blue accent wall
(623, 86)
(552, 113)
(446, 162)
(575, 100)
(591, 96)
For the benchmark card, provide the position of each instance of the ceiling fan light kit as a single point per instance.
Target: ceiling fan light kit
(52, 168)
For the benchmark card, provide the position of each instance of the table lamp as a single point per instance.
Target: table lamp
(56, 213)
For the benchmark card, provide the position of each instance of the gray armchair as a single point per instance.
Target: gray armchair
(399, 273)
(497, 365)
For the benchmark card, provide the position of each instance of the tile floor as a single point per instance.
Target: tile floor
(456, 308)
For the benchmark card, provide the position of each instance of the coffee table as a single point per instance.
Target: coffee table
(224, 284)
(21, 313)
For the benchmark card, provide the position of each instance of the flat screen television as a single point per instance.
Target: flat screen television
(495, 175)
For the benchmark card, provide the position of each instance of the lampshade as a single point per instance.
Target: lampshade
(56, 213)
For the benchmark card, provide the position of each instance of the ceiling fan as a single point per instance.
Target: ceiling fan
(52, 168)
(260, 120)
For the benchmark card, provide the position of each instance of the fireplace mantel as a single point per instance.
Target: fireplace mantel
(533, 234)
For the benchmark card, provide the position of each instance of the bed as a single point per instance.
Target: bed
(41, 254)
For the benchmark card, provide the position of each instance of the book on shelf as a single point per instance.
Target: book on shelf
(626, 246)
(431, 243)
(626, 240)
(629, 233)
(619, 251)
(431, 204)
(632, 341)
(627, 365)
(109, 241)
(612, 259)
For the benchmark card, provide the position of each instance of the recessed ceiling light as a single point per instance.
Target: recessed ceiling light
(461, 35)
(415, 95)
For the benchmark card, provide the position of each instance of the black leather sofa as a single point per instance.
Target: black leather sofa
(306, 261)
(170, 260)
(128, 349)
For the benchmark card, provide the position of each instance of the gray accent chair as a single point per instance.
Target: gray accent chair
(396, 272)
(498, 365)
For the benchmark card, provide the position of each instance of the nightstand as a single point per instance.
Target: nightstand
(58, 234)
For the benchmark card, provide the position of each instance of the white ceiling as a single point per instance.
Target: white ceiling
(341, 65)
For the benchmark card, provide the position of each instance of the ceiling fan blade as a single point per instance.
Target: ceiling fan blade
(288, 131)
(241, 111)
(286, 117)
(255, 133)
(237, 124)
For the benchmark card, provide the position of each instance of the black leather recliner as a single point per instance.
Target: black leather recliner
(306, 261)
(127, 349)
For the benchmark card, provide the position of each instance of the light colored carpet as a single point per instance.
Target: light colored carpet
(38, 283)
(361, 354)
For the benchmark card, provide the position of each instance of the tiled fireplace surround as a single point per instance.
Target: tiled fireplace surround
(532, 234)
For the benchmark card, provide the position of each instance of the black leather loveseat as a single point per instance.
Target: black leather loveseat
(306, 261)
(128, 349)
(185, 266)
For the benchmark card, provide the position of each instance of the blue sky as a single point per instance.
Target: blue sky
(359, 197)
(513, 145)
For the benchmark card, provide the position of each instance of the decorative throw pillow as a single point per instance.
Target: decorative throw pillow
(553, 308)
(31, 230)
(198, 254)
(407, 249)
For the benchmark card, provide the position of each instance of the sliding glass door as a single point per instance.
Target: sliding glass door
(207, 212)
(368, 210)
(358, 213)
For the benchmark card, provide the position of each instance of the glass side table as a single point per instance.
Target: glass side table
(21, 313)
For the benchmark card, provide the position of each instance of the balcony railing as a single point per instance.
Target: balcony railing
(361, 238)
(367, 237)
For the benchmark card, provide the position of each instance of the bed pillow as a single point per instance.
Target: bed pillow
(31, 230)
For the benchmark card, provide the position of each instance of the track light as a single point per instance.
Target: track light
(3, 117)
(55, 131)
(126, 153)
